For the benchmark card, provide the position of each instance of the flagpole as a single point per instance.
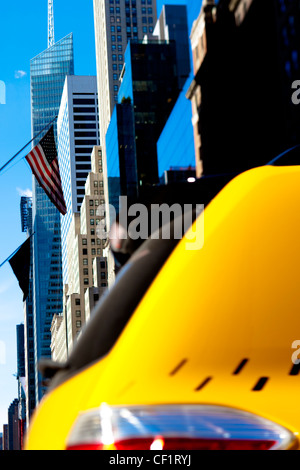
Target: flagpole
(18, 153)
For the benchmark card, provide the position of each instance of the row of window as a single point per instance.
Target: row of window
(94, 252)
(133, 2)
(93, 241)
(117, 11)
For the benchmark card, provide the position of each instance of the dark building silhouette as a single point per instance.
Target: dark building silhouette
(14, 426)
(147, 95)
(246, 58)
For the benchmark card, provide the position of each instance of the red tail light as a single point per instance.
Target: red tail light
(182, 427)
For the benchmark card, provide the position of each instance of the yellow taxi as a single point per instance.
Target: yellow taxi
(196, 345)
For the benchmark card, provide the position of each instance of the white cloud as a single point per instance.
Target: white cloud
(25, 192)
(20, 73)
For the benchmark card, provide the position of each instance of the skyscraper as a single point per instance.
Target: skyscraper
(78, 133)
(29, 376)
(116, 22)
(48, 71)
(147, 94)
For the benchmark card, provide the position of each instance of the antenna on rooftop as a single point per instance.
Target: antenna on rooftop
(51, 40)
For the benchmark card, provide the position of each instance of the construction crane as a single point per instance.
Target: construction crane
(51, 40)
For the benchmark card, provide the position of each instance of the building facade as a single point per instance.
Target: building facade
(253, 118)
(30, 366)
(14, 431)
(21, 381)
(148, 92)
(116, 22)
(47, 72)
(175, 147)
(86, 264)
(78, 133)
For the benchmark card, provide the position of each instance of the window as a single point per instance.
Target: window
(85, 261)
(84, 241)
(92, 221)
(91, 202)
(85, 272)
(77, 301)
(84, 251)
(78, 323)
(86, 281)
(78, 313)
(93, 251)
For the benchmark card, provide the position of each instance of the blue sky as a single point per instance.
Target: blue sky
(23, 35)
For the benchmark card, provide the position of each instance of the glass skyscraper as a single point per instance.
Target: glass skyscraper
(175, 147)
(48, 71)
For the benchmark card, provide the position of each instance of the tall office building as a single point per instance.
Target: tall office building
(148, 92)
(29, 379)
(260, 127)
(14, 441)
(175, 146)
(48, 72)
(86, 264)
(78, 133)
(21, 382)
(116, 22)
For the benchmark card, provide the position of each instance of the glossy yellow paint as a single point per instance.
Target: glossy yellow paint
(236, 298)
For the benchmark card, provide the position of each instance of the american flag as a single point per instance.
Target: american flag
(43, 161)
